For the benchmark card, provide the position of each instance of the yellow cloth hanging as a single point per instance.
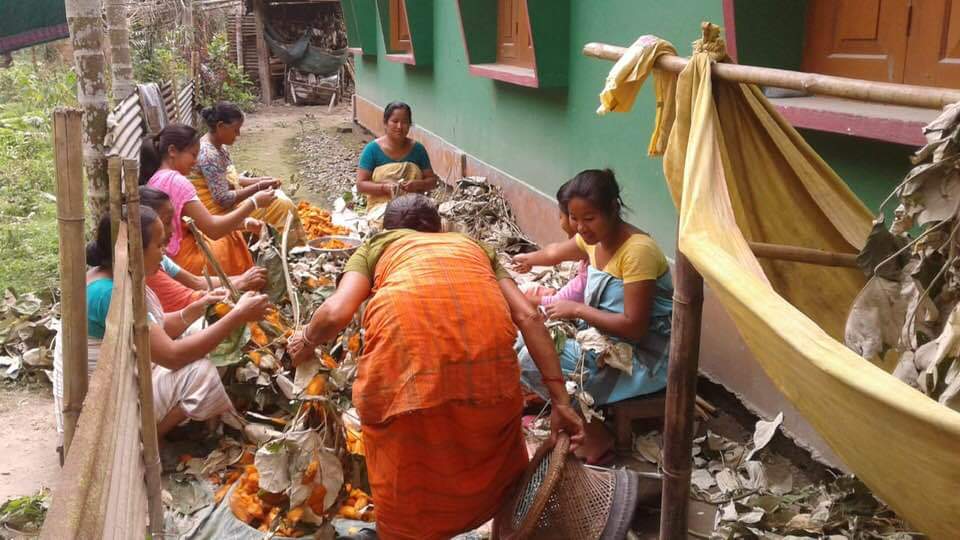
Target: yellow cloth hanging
(740, 172)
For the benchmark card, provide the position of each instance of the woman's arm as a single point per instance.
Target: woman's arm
(252, 280)
(333, 316)
(367, 186)
(216, 227)
(541, 348)
(550, 255)
(630, 325)
(175, 354)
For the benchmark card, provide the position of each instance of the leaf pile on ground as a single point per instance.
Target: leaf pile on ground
(756, 494)
(908, 314)
(24, 515)
(27, 329)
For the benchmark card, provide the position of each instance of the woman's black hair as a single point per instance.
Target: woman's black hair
(395, 106)
(154, 147)
(562, 198)
(223, 111)
(599, 187)
(153, 198)
(412, 211)
(99, 252)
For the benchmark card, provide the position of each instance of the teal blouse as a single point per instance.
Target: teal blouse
(98, 303)
(373, 157)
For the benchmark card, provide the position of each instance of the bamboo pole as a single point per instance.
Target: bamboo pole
(141, 340)
(803, 255)
(211, 259)
(680, 398)
(815, 83)
(68, 153)
(115, 179)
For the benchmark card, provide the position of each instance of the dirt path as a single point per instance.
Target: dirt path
(28, 441)
(316, 148)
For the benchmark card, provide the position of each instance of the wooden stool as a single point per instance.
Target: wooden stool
(626, 411)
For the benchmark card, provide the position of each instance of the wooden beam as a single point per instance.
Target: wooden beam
(263, 55)
(814, 83)
(141, 339)
(68, 155)
(803, 255)
(681, 396)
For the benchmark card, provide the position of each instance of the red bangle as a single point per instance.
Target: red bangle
(552, 379)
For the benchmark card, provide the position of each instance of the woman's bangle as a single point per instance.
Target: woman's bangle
(182, 318)
(254, 201)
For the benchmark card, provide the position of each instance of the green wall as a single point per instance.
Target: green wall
(546, 136)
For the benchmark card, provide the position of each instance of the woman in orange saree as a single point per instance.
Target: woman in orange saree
(438, 384)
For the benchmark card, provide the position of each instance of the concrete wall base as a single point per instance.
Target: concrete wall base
(724, 357)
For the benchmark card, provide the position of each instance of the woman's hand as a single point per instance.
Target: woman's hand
(564, 418)
(252, 306)
(298, 347)
(564, 309)
(264, 197)
(252, 225)
(253, 279)
(268, 183)
(213, 296)
(522, 263)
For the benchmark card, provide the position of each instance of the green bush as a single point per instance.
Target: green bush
(222, 79)
(28, 227)
(157, 58)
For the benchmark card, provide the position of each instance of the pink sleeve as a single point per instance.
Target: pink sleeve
(572, 291)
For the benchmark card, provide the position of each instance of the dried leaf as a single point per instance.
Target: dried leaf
(702, 479)
(272, 461)
(763, 434)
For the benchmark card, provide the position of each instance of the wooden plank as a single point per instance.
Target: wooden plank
(141, 337)
(263, 55)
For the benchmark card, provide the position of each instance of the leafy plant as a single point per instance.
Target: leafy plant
(222, 79)
(26, 514)
(157, 57)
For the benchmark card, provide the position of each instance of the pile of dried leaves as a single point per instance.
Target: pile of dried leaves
(479, 209)
(908, 312)
(291, 434)
(28, 325)
(757, 497)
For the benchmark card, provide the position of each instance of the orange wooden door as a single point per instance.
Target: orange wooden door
(864, 39)
(514, 43)
(399, 29)
(933, 48)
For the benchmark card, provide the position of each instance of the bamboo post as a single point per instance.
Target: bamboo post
(211, 259)
(68, 153)
(680, 398)
(828, 85)
(114, 174)
(141, 340)
(263, 55)
(803, 255)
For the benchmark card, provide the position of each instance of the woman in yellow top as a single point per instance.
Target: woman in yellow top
(219, 186)
(628, 298)
(394, 163)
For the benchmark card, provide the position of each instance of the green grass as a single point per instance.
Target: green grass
(29, 250)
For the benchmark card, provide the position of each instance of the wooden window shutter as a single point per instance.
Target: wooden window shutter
(399, 27)
(933, 45)
(514, 43)
(864, 39)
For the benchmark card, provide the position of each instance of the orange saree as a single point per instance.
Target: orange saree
(438, 389)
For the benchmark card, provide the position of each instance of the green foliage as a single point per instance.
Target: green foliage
(28, 230)
(222, 79)
(158, 57)
(26, 514)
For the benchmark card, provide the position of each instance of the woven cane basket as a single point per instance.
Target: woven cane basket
(559, 498)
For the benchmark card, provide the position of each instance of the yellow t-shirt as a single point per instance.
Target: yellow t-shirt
(638, 259)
